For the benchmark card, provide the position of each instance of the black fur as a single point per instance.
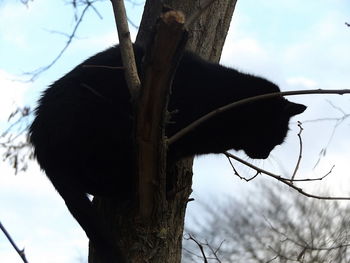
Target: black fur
(82, 129)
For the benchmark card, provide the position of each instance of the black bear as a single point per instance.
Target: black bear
(82, 131)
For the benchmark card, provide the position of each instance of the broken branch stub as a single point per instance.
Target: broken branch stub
(161, 60)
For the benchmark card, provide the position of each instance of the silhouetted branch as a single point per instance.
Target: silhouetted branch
(133, 24)
(19, 251)
(237, 173)
(300, 152)
(286, 181)
(270, 224)
(222, 109)
(23, 112)
(14, 140)
(161, 60)
(260, 170)
(35, 73)
(25, 2)
(190, 237)
(338, 122)
(58, 33)
(303, 245)
(126, 48)
(201, 246)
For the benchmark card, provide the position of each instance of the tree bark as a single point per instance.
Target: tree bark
(207, 34)
(161, 241)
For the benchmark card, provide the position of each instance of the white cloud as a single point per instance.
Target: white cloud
(12, 12)
(249, 55)
(243, 48)
(36, 217)
(301, 81)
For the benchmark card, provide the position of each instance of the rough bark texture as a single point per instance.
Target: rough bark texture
(160, 63)
(145, 243)
(207, 34)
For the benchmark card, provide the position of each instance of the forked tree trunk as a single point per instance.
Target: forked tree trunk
(161, 241)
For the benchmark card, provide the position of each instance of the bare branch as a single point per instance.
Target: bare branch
(126, 48)
(215, 251)
(202, 246)
(260, 170)
(222, 109)
(305, 246)
(190, 237)
(300, 152)
(236, 172)
(23, 112)
(287, 182)
(14, 139)
(35, 73)
(336, 107)
(272, 259)
(161, 60)
(274, 225)
(133, 24)
(58, 33)
(19, 251)
(25, 2)
(338, 122)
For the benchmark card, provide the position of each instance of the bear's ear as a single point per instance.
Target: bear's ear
(293, 109)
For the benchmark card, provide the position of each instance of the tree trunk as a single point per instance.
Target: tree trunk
(161, 240)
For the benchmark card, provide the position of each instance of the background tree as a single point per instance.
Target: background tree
(271, 224)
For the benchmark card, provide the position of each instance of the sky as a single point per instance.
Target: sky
(296, 44)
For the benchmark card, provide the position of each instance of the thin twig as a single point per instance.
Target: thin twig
(19, 251)
(215, 251)
(35, 73)
(283, 180)
(279, 177)
(58, 32)
(25, 2)
(25, 112)
(304, 245)
(126, 48)
(190, 237)
(213, 113)
(339, 121)
(237, 174)
(336, 107)
(322, 119)
(300, 152)
(133, 24)
(160, 62)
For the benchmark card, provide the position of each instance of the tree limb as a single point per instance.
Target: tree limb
(35, 73)
(126, 48)
(161, 60)
(300, 152)
(213, 113)
(284, 180)
(19, 251)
